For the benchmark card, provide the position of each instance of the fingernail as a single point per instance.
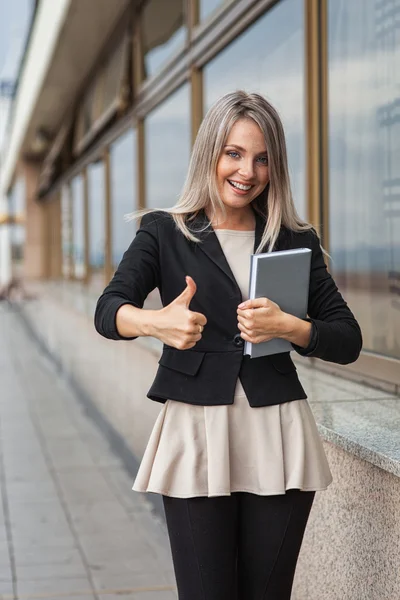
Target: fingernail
(242, 305)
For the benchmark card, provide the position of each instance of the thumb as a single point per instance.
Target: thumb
(188, 292)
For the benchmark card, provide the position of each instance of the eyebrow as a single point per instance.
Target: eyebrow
(243, 149)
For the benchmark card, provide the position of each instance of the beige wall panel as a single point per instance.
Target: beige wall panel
(35, 245)
(115, 375)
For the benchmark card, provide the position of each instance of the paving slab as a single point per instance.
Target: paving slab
(70, 525)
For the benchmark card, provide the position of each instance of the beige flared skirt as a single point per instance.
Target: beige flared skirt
(216, 450)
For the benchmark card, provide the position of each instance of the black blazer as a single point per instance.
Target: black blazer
(160, 257)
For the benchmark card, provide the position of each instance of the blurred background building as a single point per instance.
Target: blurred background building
(14, 23)
(108, 100)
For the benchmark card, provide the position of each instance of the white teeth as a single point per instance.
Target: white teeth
(239, 185)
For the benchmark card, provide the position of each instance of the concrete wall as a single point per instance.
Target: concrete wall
(351, 546)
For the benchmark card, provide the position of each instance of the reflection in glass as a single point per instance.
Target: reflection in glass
(364, 123)
(268, 58)
(163, 32)
(123, 192)
(207, 7)
(78, 228)
(16, 209)
(66, 232)
(167, 134)
(96, 219)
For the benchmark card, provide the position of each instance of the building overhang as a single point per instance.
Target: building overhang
(66, 39)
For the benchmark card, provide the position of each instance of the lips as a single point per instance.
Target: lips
(235, 184)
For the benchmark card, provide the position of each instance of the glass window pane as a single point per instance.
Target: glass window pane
(167, 134)
(66, 232)
(16, 201)
(268, 58)
(207, 7)
(78, 230)
(364, 169)
(163, 32)
(123, 192)
(96, 220)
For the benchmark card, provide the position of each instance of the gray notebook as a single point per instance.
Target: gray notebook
(284, 278)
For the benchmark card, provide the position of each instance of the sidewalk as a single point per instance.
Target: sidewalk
(70, 526)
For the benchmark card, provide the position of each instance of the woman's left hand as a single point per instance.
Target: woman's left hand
(260, 320)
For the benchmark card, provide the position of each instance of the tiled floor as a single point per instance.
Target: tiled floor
(70, 526)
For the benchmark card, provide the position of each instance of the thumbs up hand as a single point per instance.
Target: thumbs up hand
(178, 326)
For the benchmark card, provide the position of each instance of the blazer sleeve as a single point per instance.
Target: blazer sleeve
(136, 276)
(336, 335)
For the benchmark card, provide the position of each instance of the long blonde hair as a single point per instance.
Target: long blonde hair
(200, 191)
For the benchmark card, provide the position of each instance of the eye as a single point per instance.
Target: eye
(263, 160)
(232, 152)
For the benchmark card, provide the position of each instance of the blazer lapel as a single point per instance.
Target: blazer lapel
(209, 244)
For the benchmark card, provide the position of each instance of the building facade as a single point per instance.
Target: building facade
(110, 98)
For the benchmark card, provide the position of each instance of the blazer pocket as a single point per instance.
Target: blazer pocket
(282, 362)
(183, 361)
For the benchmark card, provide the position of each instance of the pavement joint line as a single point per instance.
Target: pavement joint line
(118, 591)
(6, 512)
(118, 445)
(64, 505)
(115, 448)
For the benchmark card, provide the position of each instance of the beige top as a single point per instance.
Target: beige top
(216, 450)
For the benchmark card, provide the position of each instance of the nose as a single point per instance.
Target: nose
(246, 169)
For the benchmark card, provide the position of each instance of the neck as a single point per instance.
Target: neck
(236, 219)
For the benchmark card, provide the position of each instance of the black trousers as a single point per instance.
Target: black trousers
(238, 547)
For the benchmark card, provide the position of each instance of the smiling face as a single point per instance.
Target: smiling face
(242, 168)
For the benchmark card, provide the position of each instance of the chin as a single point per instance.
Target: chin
(237, 202)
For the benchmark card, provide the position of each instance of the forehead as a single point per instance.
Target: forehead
(246, 132)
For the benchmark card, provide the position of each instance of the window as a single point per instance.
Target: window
(96, 221)
(123, 192)
(16, 201)
(66, 232)
(208, 7)
(364, 168)
(269, 58)
(167, 134)
(78, 228)
(163, 32)
(107, 92)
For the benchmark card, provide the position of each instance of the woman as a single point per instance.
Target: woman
(235, 451)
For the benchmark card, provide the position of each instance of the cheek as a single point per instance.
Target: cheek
(224, 169)
(264, 178)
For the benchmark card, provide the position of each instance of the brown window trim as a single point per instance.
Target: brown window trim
(210, 37)
(94, 153)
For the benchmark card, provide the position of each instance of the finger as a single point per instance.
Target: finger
(244, 329)
(256, 303)
(245, 314)
(194, 333)
(188, 293)
(199, 319)
(194, 337)
(245, 323)
(245, 337)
